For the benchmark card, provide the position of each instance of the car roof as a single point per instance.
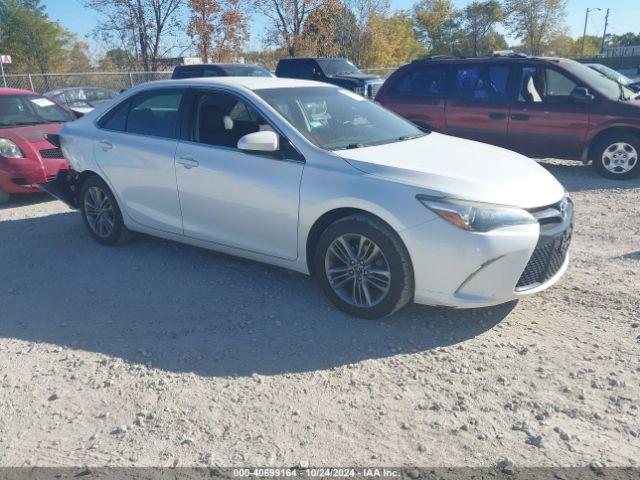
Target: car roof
(290, 59)
(15, 91)
(251, 83)
(222, 65)
(492, 59)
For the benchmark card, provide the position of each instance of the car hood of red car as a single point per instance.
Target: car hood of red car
(29, 133)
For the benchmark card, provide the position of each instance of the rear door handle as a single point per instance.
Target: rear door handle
(497, 116)
(520, 116)
(188, 162)
(104, 145)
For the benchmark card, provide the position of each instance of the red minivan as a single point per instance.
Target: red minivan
(538, 106)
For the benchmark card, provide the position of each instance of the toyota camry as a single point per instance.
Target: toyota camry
(317, 179)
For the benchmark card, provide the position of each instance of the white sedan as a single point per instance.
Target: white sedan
(314, 178)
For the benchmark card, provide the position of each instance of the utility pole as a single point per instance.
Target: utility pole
(604, 34)
(584, 33)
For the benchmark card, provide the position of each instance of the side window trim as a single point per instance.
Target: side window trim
(187, 123)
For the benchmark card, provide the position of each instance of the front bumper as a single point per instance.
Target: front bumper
(457, 268)
(23, 175)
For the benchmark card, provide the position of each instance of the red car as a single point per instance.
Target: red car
(27, 158)
(540, 107)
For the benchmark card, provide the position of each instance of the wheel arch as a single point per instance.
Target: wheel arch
(588, 152)
(326, 219)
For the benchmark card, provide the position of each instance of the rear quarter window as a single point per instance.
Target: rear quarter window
(421, 82)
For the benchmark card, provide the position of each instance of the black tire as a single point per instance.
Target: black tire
(395, 256)
(604, 167)
(4, 197)
(119, 233)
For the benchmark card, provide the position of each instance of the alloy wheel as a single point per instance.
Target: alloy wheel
(357, 270)
(619, 157)
(99, 212)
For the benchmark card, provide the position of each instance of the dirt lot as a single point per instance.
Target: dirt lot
(157, 353)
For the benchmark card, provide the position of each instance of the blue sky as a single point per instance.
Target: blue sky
(624, 17)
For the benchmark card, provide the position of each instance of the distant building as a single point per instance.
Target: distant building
(631, 51)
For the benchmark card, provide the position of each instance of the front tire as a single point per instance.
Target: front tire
(101, 214)
(363, 267)
(617, 156)
(4, 197)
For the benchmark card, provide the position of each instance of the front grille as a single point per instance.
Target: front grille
(551, 251)
(51, 153)
(372, 90)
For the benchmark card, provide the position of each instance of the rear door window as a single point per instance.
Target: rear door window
(481, 82)
(422, 82)
(117, 119)
(155, 113)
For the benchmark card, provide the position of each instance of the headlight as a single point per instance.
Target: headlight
(8, 149)
(476, 216)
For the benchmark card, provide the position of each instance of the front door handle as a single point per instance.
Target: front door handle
(520, 117)
(497, 116)
(188, 162)
(104, 145)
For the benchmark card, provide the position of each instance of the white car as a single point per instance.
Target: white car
(315, 178)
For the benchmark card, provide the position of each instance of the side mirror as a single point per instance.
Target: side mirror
(581, 95)
(265, 141)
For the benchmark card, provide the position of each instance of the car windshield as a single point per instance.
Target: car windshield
(246, 71)
(334, 66)
(16, 110)
(334, 119)
(81, 97)
(611, 74)
(598, 81)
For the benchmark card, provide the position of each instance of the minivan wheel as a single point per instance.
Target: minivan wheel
(101, 214)
(363, 267)
(617, 156)
(4, 197)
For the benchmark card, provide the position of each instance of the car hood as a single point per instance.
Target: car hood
(29, 133)
(463, 169)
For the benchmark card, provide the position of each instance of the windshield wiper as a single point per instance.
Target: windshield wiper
(351, 146)
(411, 137)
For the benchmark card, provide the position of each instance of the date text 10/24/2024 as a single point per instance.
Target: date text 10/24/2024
(317, 472)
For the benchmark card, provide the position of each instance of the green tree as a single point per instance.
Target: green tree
(479, 19)
(625, 40)
(77, 58)
(535, 22)
(393, 41)
(437, 24)
(35, 43)
(116, 59)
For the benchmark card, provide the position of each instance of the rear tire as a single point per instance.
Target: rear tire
(617, 156)
(101, 214)
(363, 267)
(4, 197)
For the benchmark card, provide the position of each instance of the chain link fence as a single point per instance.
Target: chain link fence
(383, 72)
(47, 82)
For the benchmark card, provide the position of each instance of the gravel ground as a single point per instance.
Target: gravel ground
(161, 354)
